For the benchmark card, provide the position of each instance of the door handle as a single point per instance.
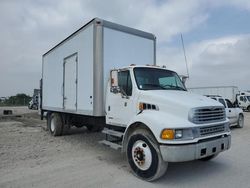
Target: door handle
(125, 104)
(229, 110)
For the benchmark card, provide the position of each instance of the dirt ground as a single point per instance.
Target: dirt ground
(30, 157)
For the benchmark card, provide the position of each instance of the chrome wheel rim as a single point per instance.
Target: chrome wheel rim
(52, 125)
(142, 155)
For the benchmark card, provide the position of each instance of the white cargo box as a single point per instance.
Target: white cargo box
(76, 71)
(228, 92)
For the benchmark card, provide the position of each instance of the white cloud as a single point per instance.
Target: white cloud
(221, 61)
(172, 18)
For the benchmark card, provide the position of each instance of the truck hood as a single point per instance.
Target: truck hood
(176, 102)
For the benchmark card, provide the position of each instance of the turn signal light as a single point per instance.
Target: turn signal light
(141, 106)
(168, 134)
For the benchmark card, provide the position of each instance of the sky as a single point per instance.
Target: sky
(216, 36)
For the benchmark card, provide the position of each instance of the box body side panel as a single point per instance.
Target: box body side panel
(53, 71)
(123, 49)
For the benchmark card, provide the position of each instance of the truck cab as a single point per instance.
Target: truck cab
(161, 121)
(244, 101)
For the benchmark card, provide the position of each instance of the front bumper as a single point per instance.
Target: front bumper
(189, 152)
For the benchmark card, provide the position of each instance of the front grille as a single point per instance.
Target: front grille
(208, 115)
(204, 131)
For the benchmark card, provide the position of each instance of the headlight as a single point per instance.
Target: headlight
(177, 134)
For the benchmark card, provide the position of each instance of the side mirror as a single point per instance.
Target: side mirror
(183, 79)
(114, 88)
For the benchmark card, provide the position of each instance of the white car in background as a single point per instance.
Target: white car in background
(234, 114)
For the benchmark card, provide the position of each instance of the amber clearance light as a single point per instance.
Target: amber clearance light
(168, 134)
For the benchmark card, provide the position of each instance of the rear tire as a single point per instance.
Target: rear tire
(55, 124)
(144, 156)
(240, 122)
(248, 108)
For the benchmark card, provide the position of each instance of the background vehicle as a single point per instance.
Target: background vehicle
(34, 102)
(145, 109)
(234, 114)
(237, 97)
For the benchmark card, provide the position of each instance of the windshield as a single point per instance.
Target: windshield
(157, 79)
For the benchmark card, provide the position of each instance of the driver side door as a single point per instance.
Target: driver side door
(119, 106)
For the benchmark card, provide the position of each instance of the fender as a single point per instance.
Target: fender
(154, 121)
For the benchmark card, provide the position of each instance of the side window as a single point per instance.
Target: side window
(129, 85)
(229, 104)
(124, 82)
(222, 102)
(241, 98)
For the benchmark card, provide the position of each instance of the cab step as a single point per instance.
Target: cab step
(111, 144)
(113, 133)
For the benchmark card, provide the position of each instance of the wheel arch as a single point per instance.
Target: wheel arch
(130, 129)
(248, 108)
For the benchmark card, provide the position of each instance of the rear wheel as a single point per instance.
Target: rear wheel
(144, 156)
(240, 122)
(248, 108)
(55, 124)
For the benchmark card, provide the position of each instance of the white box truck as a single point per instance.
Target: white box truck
(92, 79)
(238, 98)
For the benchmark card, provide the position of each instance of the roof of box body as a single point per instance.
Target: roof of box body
(110, 25)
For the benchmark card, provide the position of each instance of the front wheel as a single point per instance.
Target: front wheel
(144, 156)
(240, 122)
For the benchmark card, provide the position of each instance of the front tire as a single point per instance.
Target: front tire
(240, 122)
(55, 124)
(144, 156)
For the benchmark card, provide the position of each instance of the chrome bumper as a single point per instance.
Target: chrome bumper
(189, 152)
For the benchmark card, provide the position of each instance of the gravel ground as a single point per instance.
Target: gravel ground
(30, 157)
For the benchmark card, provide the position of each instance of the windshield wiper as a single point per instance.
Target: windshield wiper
(155, 85)
(171, 86)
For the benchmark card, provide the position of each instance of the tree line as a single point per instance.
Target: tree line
(17, 100)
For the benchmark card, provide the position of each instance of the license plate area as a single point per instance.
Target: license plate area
(210, 148)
